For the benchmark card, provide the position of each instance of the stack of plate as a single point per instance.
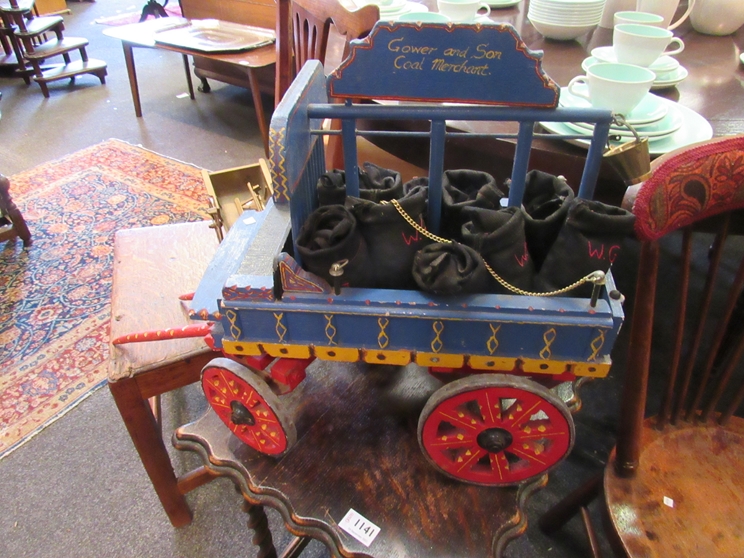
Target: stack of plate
(565, 19)
(666, 124)
(668, 70)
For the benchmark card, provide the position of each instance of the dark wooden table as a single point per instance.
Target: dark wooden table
(357, 449)
(143, 35)
(713, 88)
(357, 444)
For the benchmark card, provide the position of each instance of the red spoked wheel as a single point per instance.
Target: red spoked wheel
(495, 430)
(244, 402)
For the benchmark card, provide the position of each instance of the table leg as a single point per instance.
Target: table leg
(188, 75)
(132, 73)
(259, 524)
(145, 434)
(260, 116)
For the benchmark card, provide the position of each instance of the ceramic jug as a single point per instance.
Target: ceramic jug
(666, 9)
(717, 17)
(612, 6)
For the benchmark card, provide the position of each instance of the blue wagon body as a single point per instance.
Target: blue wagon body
(486, 332)
(269, 307)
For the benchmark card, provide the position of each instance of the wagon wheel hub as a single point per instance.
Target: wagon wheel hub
(494, 440)
(240, 414)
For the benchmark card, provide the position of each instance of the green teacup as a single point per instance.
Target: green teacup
(424, 17)
(618, 87)
(641, 18)
(643, 44)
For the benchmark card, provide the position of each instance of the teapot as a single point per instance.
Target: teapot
(666, 9)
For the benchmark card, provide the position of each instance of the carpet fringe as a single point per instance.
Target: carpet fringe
(159, 154)
(54, 418)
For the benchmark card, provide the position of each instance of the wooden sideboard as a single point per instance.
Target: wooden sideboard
(260, 13)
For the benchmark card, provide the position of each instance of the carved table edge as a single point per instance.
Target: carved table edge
(308, 527)
(508, 533)
(252, 494)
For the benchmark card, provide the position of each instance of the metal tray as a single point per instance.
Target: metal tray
(215, 36)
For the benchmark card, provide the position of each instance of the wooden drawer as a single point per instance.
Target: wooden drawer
(229, 189)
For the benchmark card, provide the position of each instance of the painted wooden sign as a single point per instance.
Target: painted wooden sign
(487, 64)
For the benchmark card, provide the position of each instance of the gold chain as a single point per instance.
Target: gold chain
(594, 277)
(415, 225)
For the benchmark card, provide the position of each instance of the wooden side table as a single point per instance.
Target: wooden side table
(357, 449)
(153, 266)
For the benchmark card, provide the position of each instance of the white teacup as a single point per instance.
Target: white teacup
(641, 18)
(424, 17)
(643, 44)
(618, 87)
(463, 10)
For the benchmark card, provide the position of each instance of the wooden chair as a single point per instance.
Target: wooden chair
(311, 27)
(314, 25)
(12, 224)
(153, 266)
(673, 484)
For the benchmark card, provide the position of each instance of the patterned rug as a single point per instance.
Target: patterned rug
(55, 296)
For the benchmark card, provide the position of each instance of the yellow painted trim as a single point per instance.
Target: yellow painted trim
(440, 359)
(403, 357)
(538, 366)
(592, 369)
(289, 351)
(479, 362)
(340, 354)
(241, 348)
(376, 356)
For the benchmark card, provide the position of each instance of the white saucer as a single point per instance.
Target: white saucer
(695, 128)
(503, 3)
(661, 64)
(670, 81)
(741, 57)
(416, 8)
(389, 6)
(650, 109)
(399, 10)
(668, 125)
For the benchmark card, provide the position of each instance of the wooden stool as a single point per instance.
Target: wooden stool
(8, 210)
(152, 267)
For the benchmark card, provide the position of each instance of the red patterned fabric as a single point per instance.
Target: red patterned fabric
(696, 183)
(55, 296)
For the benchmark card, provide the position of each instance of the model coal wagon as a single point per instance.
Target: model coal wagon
(492, 286)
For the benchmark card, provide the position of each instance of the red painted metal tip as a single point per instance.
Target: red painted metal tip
(185, 332)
